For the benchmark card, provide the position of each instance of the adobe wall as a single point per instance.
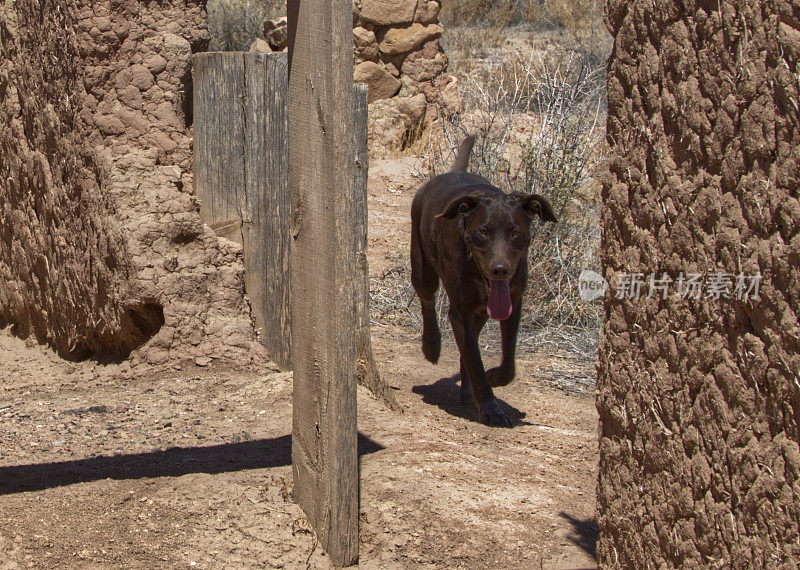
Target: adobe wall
(102, 251)
(699, 400)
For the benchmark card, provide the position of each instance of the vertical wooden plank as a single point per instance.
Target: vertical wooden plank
(267, 230)
(219, 144)
(321, 176)
(241, 154)
(366, 368)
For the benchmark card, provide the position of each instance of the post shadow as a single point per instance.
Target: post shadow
(445, 394)
(171, 462)
(584, 534)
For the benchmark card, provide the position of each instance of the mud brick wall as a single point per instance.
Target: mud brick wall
(699, 400)
(102, 251)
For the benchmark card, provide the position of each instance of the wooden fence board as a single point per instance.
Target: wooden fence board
(241, 177)
(219, 144)
(366, 368)
(312, 246)
(321, 178)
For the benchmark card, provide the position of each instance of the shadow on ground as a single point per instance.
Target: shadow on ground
(444, 394)
(171, 462)
(584, 534)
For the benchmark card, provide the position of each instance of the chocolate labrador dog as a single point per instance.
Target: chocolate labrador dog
(474, 238)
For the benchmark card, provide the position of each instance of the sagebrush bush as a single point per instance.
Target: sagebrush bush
(539, 129)
(235, 24)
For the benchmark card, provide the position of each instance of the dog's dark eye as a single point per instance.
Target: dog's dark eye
(483, 232)
(515, 233)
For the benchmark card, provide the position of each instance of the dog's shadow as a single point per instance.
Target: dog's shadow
(445, 394)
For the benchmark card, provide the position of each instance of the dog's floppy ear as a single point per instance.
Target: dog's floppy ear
(535, 205)
(462, 205)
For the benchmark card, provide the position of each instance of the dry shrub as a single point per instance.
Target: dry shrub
(540, 130)
(576, 16)
(500, 13)
(235, 24)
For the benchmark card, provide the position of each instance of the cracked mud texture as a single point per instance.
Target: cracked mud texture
(699, 400)
(102, 250)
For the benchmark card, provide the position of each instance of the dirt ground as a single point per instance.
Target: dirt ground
(107, 467)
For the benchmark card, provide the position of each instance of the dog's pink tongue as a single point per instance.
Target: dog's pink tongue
(499, 306)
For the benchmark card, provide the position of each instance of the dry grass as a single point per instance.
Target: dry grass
(500, 13)
(579, 17)
(540, 130)
(477, 31)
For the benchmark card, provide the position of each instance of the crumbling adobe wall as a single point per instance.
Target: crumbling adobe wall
(699, 400)
(102, 250)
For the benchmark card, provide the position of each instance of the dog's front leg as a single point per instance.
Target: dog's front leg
(465, 393)
(478, 321)
(503, 375)
(466, 335)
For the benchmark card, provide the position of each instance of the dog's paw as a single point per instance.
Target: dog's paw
(431, 345)
(465, 392)
(493, 415)
(499, 377)
(431, 353)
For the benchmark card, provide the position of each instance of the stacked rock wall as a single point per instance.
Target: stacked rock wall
(699, 399)
(102, 250)
(397, 53)
(397, 41)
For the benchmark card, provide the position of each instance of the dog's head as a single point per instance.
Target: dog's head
(496, 230)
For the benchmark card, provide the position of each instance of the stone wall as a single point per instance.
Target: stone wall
(397, 53)
(102, 250)
(397, 47)
(699, 400)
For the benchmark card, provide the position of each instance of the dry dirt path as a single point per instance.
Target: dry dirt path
(99, 469)
(102, 467)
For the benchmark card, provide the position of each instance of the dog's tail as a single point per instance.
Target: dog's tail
(462, 158)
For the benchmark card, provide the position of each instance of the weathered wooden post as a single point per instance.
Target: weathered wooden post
(366, 368)
(321, 178)
(240, 147)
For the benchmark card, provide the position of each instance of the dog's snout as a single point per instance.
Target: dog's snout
(500, 271)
